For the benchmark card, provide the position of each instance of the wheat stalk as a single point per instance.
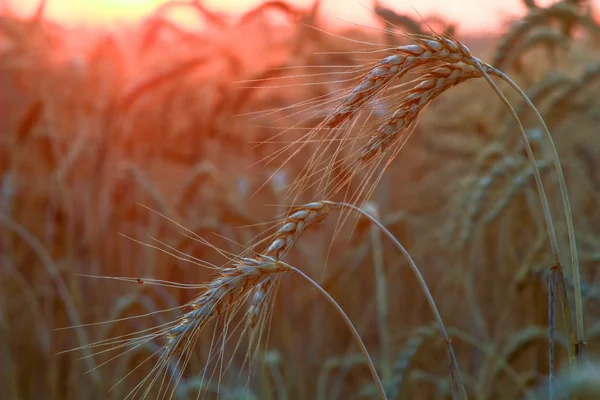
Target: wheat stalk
(438, 49)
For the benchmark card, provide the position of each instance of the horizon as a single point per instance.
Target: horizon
(473, 16)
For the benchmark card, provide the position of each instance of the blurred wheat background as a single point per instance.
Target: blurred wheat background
(94, 122)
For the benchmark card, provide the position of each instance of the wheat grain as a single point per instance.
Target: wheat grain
(424, 51)
(230, 287)
(293, 226)
(430, 86)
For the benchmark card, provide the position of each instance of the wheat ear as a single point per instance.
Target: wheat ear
(425, 51)
(429, 86)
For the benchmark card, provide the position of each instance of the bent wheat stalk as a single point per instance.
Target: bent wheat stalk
(455, 375)
(222, 297)
(485, 71)
(458, 64)
(308, 214)
(577, 347)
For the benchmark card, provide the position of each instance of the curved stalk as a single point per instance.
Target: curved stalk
(454, 369)
(568, 216)
(359, 341)
(532, 161)
(545, 208)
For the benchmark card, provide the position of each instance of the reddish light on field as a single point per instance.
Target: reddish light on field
(471, 15)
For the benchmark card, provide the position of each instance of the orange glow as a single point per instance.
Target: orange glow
(472, 15)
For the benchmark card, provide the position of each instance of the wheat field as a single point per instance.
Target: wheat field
(267, 208)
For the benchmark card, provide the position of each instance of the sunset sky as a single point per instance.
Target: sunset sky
(473, 15)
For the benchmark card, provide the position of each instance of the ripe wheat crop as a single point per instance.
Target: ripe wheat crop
(433, 234)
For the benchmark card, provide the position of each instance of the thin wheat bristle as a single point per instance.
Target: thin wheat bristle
(517, 183)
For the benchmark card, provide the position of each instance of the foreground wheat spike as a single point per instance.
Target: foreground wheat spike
(229, 288)
(241, 278)
(560, 104)
(373, 90)
(429, 86)
(395, 67)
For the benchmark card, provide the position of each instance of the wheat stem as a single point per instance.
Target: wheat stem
(454, 369)
(353, 330)
(382, 298)
(578, 345)
(543, 199)
(531, 156)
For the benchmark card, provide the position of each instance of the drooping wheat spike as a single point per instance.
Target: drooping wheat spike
(517, 183)
(406, 356)
(548, 37)
(327, 169)
(472, 200)
(430, 86)
(426, 50)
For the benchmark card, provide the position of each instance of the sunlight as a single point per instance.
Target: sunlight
(472, 15)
